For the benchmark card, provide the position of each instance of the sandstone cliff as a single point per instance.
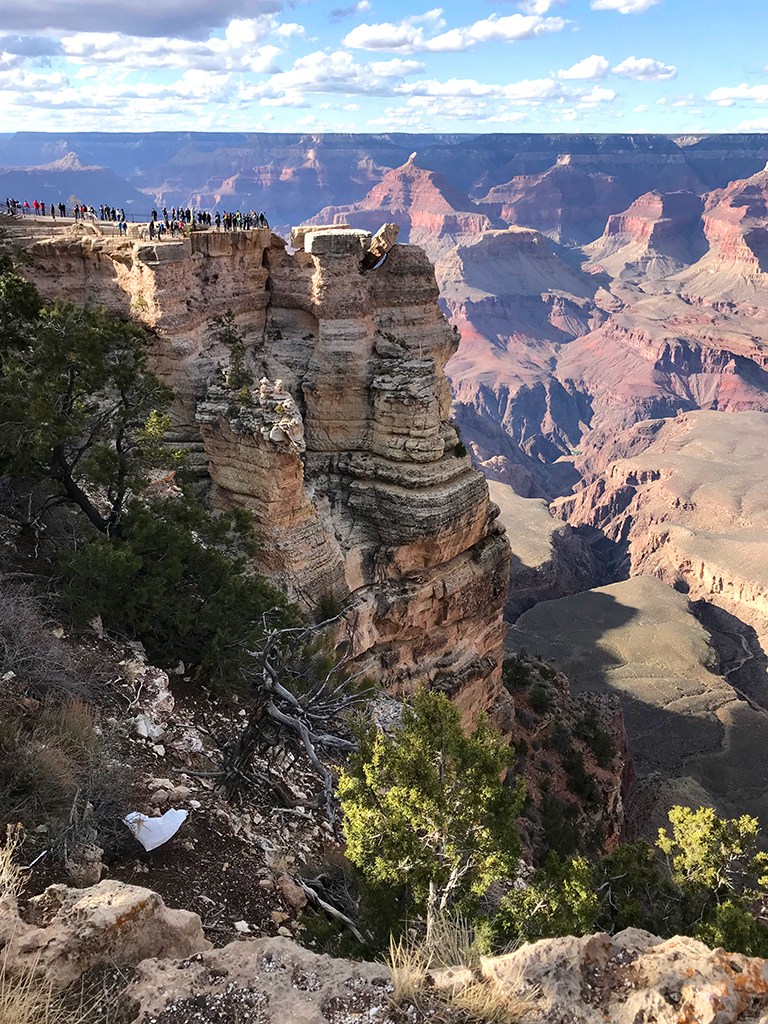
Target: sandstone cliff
(430, 210)
(568, 202)
(345, 454)
(660, 233)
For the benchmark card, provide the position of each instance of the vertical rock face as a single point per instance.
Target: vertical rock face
(434, 213)
(361, 492)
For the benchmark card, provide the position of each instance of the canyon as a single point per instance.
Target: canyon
(611, 297)
(520, 446)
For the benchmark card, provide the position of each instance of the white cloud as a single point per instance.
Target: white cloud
(410, 37)
(540, 6)
(532, 90)
(727, 96)
(243, 48)
(27, 84)
(336, 72)
(640, 108)
(598, 95)
(645, 69)
(289, 29)
(624, 6)
(396, 67)
(589, 68)
(759, 125)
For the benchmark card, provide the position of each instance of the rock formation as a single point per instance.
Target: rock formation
(686, 501)
(632, 977)
(693, 730)
(68, 932)
(660, 233)
(625, 978)
(344, 453)
(568, 202)
(430, 210)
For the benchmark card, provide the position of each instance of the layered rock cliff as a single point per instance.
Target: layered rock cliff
(360, 491)
(686, 502)
(430, 210)
(568, 202)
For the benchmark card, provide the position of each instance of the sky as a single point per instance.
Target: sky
(670, 66)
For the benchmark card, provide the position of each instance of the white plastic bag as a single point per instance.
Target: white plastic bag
(153, 832)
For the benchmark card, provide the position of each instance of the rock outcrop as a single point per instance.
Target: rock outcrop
(660, 233)
(568, 202)
(632, 977)
(265, 981)
(626, 978)
(344, 453)
(429, 209)
(686, 501)
(67, 932)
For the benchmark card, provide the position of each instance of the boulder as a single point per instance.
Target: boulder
(70, 931)
(260, 980)
(634, 978)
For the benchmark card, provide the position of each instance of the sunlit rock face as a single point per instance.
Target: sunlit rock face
(341, 446)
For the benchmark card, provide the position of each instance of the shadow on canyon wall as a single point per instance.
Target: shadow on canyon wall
(694, 737)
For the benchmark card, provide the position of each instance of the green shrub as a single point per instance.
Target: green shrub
(732, 927)
(580, 781)
(636, 892)
(516, 672)
(427, 807)
(174, 579)
(559, 832)
(560, 900)
(597, 739)
(540, 698)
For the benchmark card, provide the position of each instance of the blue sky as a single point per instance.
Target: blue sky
(674, 66)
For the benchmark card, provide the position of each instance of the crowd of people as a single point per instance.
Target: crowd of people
(179, 221)
(173, 223)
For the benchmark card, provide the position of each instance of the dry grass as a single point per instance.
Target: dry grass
(462, 996)
(11, 878)
(29, 649)
(483, 1001)
(29, 999)
(70, 725)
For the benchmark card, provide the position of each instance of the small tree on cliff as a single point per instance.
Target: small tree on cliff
(428, 807)
(79, 407)
(82, 423)
(226, 332)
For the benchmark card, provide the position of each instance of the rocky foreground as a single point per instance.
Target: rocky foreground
(170, 974)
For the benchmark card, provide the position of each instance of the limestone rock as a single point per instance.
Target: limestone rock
(293, 894)
(249, 976)
(111, 923)
(344, 454)
(634, 977)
